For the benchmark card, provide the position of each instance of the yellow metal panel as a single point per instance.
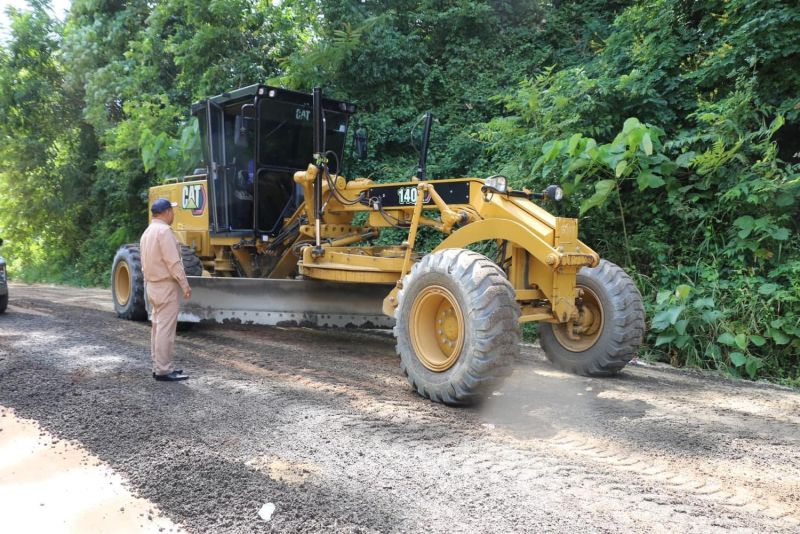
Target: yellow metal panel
(286, 265)
(340, 275)
(191, 213)
(331, 230)
(243, 258)
(529, 294)
(491, 229)
(343, 265)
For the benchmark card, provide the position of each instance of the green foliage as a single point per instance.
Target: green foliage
(704, 202)
(673, 126)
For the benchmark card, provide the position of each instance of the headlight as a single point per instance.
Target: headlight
(497, 183)
(553, 192)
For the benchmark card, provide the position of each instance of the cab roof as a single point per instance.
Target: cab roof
(248, 93)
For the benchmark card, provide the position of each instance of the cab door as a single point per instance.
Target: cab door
(217, 169)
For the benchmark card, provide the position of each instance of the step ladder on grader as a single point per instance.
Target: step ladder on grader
(272, 239)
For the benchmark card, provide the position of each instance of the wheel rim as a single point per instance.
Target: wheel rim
(122, 283)
(437, 328)
(587, 328)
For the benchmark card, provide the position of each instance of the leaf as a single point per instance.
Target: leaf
(777, 123)
(758, 341)
(780, 234)
(680, 326)
(705, 302)
(712, 316)
(779, 337)
(753, 365)
(602, 190)
(745, 222)
(634, 140)
(621, 166)
(682, 291)
(683, 341)
(648, 179)
(664, 339)
(726, 338)
(738, 359)
(665, 319)
(552, 149)
(741, 341)
(647, 144)
(573, 143)
(630, 124)
(662, 296)
(768, 289)
(577, 164)
(685, 160)
(784, 200)
(147, 158)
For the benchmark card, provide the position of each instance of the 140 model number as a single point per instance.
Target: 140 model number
(408, 196)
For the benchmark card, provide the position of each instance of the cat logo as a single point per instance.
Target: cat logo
(193, 197)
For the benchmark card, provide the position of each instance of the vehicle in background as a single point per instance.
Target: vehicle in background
(3, 283)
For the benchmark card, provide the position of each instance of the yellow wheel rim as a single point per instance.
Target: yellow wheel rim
(122, 283)
(587, 328)
(437, 328)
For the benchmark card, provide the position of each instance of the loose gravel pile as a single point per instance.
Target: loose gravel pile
(322, 424)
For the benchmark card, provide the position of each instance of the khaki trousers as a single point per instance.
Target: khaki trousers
(164, 301)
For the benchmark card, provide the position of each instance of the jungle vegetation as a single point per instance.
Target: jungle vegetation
(674, 126)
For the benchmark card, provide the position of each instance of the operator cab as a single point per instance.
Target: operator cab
(254, 139)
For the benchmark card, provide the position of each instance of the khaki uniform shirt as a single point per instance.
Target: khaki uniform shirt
(161, 255)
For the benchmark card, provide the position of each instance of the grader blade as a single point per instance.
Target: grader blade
(285, 303)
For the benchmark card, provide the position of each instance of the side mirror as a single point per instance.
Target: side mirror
(243, 127)
(361, 143)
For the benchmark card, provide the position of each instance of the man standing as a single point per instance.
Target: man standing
(164, 277)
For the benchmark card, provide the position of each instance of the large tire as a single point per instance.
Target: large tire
(191, 263)
(612, 331)
(3, 303)
(192, 266)
(127, 284)
(457, 326)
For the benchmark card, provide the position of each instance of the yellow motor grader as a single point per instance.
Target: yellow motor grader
(274, 234)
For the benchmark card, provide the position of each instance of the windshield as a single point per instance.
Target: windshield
(286, 134)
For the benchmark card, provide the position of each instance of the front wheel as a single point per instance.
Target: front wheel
(3, 303)
(610, 327)
(457, 326)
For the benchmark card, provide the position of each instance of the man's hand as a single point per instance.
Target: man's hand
(187, 293)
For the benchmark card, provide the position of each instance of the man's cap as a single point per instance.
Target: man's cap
(161, 205)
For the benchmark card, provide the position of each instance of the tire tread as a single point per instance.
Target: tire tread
(628, 326)
(492, 321)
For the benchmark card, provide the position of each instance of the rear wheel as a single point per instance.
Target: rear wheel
(127, 284)
(191, 263)
(3, 303)
(457, 326)
(192, 266)
(610, 327)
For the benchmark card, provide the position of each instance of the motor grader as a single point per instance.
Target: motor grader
(274, 234)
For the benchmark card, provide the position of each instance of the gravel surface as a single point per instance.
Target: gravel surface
(323, 425)
(48, 485)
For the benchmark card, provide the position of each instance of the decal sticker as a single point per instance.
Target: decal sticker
(193, 198)
(408, 196)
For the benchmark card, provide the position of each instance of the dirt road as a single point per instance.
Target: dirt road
(323, 425)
